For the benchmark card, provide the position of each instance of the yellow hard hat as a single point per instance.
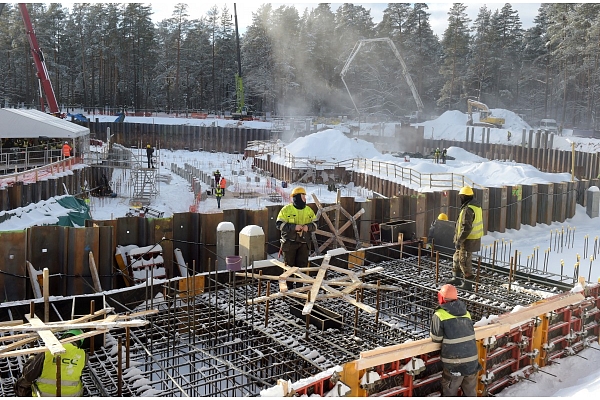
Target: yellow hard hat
(298, 190)
(466, 191)
(443, 217)
(148, 146)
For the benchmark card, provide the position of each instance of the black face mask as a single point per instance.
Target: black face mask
(298, 202)
(465, 199)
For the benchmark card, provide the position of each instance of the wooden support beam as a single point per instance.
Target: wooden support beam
(501, 325)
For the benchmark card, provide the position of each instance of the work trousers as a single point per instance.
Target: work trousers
(295, 254)
(451, 384)
(461, 261)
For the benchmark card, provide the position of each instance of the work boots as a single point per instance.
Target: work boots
(468, 283)
(456, 278)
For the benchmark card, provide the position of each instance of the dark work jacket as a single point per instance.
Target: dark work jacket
(451, 326)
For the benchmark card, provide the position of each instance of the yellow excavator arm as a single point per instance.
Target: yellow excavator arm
(485, 115)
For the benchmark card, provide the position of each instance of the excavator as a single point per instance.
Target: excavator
(486, 119)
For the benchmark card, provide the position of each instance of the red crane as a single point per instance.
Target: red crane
(42, 72)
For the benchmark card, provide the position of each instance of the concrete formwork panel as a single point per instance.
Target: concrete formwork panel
(208, 238)
(529, 203)
(80, 242)
(513, 214)
(571, 198)
(498, 199)
(423, 201)
(15, 195)
(364, 223)
(483, 198)
(559, 209)
(545, 203)
(159, 229)
(47, 248)
(186, 237)
(4, 199)
(13, 256)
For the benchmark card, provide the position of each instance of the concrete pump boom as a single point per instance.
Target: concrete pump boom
(45, 86)
(405, 72)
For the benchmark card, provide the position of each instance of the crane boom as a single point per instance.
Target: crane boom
(405, 72)
(45, 86)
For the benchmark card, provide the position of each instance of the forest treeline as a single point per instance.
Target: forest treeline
(113, 55)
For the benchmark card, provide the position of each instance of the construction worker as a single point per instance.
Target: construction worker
(149, 153)
(218, 195)
(222, 185)
(508, 135)
(441, 217)
(40, 371)
(444, 153)
(436, 155)
(451, 325)
(467, 239)
(295, 221)
(66, 150)
(217, 175)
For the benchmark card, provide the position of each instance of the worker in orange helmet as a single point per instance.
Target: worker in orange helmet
(223, 185)
(66, 150)
(451, 325)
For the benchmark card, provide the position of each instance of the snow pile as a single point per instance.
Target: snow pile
(331, 145)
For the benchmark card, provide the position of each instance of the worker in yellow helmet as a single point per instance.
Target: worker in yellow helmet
(149, 153)
(40, 371)
(295, 221)
(467, 239)
(430, 235)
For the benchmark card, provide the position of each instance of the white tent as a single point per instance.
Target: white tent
(21, 123)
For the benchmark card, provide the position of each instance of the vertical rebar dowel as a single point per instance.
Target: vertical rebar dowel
(562, 266)
(575, 272)
(494, 253)
(58, 376)
(550, 238)
(509, 247)
(401, 240)
(510, 272)
(267, 305)
(595, 245)
(32, 309)
(590, 271)
(478, 272)
(193, 303)
(377, 298)
(216, 299)
(258, 293)
(356, 315)
(537, 258)
(437, 266)
(92, 311)
(307, 321)
(46, 283)
(119, 368)
(585, 245)
(127, 338)
(229, 283)
(419, 258)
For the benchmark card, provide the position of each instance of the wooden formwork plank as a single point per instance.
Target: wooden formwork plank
(501, 325)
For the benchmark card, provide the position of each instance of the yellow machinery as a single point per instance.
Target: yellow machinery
(485, 115)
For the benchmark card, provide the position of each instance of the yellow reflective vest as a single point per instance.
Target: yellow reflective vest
(72, 363)
(477, 229)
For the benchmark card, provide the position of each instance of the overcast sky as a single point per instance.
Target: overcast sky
(439, 11)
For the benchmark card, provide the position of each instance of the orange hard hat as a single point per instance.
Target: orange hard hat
(447, 293)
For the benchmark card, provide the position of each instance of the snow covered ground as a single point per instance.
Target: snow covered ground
(574, 376)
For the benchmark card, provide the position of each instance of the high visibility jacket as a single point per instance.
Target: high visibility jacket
(289, 217)
(66, 150)
(469, 227)
(451, 326)
(72, 363)
(219, 192)
(222, 183)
